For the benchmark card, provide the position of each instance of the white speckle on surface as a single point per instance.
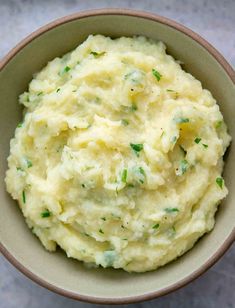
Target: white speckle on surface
(213, 20)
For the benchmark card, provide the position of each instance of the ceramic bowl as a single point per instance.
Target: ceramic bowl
(54, 270)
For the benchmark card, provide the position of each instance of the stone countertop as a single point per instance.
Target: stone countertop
(215, 21)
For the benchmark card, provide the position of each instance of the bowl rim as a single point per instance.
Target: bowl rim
(230, 72)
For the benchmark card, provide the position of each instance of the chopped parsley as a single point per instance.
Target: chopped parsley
(220, 182)
(133, 107)
(83, 185)
(101, 231)
(29, 163)
(19, 169)
(124, 176)
(205, 145)
(130, 185)
(45, 214)
(40, 93)
(135, 76)
(181, 120)
(125, 122)
(171, 209)
(103, 218)
(156, 74)
(67, 69)
(58, 90)
(23, 196)
(218, 124)
(97, 54)
(183, 167)
(169, 90)
(156, 226)
(197, 140)
(142, 172)
(20, 124)
(137, 147)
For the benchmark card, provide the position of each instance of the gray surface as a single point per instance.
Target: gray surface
(215, 21)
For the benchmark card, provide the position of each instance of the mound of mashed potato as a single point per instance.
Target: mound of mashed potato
(119, 157)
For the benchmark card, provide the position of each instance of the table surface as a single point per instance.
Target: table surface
(215, 21)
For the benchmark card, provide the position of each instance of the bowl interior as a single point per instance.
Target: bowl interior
(55, 268)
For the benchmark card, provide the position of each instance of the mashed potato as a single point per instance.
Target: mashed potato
(119, 157)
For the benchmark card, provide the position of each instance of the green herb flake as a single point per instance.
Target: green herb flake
(133, 107)
(83, 185)
(197, 140)
(137, 147)
(97, 54)
(183, 166)
(67, 69)
(143, 175)
(169, 90)
(23, 196)
(29, 163)
(57, 90)
(141, 170)
(19, 169)
(124, 176)
(220, 182)
(130, 185)
(171, 210)
(218, 124)
(181, 120)
(205, 145)
(156, 226)
(156, 74)
(124, 239)
(40, 93)
(103, 218)
(125, 122)
(45, 214)
(20, 124)
(101, 231)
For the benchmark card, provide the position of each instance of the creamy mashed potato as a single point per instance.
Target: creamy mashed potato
(119, 157)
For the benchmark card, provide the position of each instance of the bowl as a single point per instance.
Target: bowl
(54, 270)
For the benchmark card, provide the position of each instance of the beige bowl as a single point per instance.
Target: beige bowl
(54, 270)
